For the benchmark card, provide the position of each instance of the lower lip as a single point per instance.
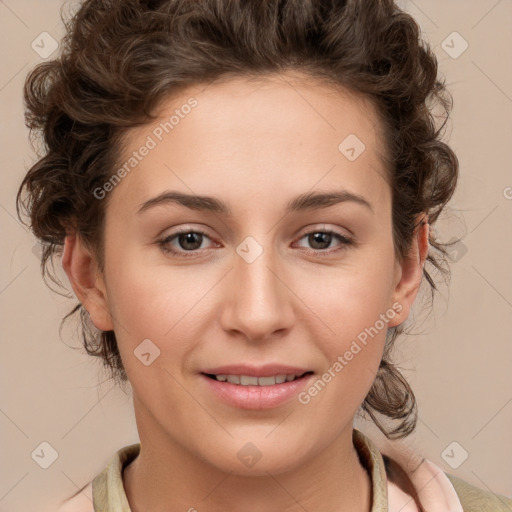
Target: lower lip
(256, 397)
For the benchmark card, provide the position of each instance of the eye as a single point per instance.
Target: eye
(186, 241)
(321, 240)
(191, 240)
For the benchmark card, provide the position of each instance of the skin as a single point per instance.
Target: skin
(254, 145)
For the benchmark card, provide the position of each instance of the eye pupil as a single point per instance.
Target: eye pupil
(320, 238)
(189, 238)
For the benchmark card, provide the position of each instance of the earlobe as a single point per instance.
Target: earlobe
(410, 271)
(87, 283)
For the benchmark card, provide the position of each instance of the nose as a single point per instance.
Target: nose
(259, 302)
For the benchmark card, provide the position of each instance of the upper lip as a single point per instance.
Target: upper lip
(267, 370)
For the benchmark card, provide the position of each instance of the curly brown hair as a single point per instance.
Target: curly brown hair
(120, 59)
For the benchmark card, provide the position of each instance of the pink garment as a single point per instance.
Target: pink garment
(435, 491)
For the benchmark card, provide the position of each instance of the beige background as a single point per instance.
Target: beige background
(458, 361)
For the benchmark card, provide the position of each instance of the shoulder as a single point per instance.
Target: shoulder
(474, 499)
(79, 502)
(106, 486)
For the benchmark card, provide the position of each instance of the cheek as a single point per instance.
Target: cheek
(148, 295)
(153, 304)
(352, 301)
(353, 312)
(352, 347)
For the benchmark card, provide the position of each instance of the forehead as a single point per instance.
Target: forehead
(286, 105)
(256, 134)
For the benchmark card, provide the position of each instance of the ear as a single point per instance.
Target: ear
(87, 282)
(410, 272)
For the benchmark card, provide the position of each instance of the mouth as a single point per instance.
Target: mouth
(252, 380)
(256, 392)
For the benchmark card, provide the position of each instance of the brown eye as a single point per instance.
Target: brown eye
(183, 242)
(190, 241)
(321, 240)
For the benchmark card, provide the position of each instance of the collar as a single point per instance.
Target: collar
(109, 494)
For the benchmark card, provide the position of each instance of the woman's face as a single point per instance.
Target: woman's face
(266, 284)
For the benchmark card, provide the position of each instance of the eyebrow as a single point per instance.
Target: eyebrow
(303, 202)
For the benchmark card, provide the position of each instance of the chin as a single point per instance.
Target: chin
(257, 459)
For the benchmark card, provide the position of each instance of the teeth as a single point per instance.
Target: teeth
(266, 381)
(246, 380)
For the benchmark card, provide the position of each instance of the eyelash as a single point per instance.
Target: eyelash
(346, 243)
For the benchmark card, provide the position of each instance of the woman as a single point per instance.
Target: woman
(242, 194)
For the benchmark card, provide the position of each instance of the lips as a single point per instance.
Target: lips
(251, 387)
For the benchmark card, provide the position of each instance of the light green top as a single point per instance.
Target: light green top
(109, 495)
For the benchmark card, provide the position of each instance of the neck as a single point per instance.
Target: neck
(165, 476)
